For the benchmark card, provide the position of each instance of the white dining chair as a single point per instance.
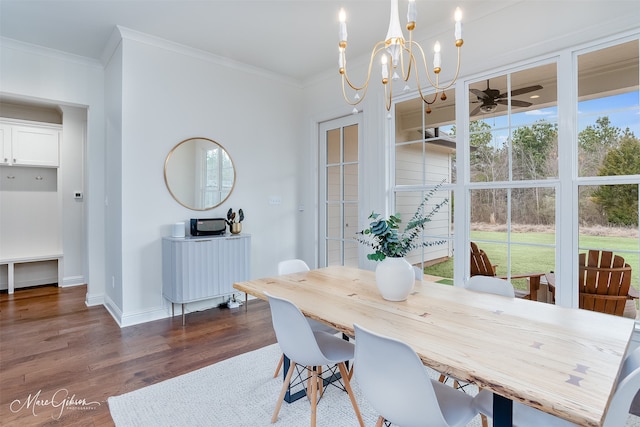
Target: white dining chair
(491, 285)
(310, 349)
(626, 389)
(396, 383)
(291, 266)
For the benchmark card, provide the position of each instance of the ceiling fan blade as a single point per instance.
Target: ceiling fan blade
(524, 90)
(475, 110)
(480, 94)
(514, 103)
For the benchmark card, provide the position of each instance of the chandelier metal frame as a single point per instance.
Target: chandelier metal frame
(396, 47)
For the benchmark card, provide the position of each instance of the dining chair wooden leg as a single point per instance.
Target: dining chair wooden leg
(307, 387)
(442, 378)
(351, 371)
(347, 385)
(320, 381)
(280, 362)
(285, 385)
(314, 395)
(485, 423)
(380, 421)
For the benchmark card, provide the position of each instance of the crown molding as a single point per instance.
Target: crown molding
(123, 33)
(48, 52)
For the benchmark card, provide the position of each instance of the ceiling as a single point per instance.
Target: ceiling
(295, 39)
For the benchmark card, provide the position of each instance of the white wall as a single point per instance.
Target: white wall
(72, 161)
(168, 94)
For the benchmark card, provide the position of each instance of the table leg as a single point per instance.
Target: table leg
(502, 411)
(10, 278)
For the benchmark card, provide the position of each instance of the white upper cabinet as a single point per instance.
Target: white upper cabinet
(29, 145)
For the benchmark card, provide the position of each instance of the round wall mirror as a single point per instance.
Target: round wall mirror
(199, 173)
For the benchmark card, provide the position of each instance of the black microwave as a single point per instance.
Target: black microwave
(208, 226)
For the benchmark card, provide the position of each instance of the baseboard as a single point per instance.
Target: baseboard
(73, 281)
(134, 318)
(149, 315)
(93, 300)
(113, 309)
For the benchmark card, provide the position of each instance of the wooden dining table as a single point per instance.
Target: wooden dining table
(559, 360)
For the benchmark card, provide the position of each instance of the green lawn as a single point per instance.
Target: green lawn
(530, 259)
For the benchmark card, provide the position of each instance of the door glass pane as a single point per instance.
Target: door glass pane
(351, 143)
(351, 182)
(333, 146)
(333, 183)
(334, 254)
(334, 221)
(350, 224)
(350, 254)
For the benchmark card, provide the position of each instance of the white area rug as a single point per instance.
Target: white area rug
(238, 392)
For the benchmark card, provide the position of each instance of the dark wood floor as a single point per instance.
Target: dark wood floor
(54, 347)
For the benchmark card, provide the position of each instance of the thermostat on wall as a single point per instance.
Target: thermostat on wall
(77, 194)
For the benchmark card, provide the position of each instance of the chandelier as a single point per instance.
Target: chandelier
(398, 55)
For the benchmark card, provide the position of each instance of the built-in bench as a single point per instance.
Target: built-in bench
(11, 262)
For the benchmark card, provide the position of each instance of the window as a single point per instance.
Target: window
(513, 170)
(425, 158)
(551, 160)
(608, 152)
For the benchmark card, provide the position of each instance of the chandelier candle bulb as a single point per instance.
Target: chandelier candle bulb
(385, 70)
(436, 57)
(342, 17)
(458, 29)
(412, 13)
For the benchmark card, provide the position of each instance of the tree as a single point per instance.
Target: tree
(533, 148)
(488, 164)
(594, 143)
(620, 202)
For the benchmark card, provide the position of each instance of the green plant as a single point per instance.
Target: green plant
(384, 238)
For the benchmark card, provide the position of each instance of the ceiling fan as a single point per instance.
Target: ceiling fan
(490, 98)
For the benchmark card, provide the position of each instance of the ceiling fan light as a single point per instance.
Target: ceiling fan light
(488, 108)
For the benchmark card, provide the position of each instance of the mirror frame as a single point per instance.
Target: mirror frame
(166, 180)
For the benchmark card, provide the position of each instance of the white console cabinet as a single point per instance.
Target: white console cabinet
(200, 268)
(24, 144)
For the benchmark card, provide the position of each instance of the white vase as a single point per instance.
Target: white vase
(395, 279)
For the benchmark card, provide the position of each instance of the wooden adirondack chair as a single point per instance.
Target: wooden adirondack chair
(482, 266)
(604, 282)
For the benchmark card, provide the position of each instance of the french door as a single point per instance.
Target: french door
(340, 142)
